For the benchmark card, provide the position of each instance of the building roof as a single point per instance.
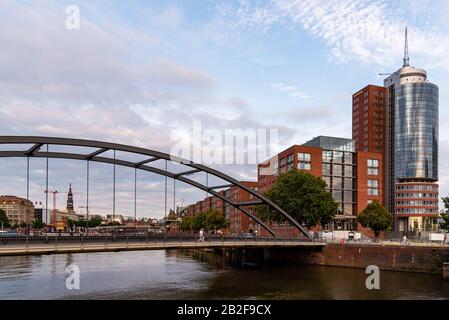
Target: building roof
(331, 143)
(5, 199)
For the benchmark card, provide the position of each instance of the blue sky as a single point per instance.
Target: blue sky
(137, 70)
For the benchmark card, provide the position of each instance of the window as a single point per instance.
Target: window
(373, 167)
(283, 167)
(373, 187)
(275, 168)
(304, 161)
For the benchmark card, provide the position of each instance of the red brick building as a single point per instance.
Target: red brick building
(238, 221)
(353, 178)
(369, 106)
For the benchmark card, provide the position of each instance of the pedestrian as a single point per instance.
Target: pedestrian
(404, 239)
(201, 235)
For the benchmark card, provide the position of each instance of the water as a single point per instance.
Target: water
(193, 275)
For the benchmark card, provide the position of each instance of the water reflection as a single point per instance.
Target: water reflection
(198, 275)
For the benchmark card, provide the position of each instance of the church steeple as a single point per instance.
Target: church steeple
(70, 199)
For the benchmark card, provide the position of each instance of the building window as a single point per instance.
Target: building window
(275, 168)
(289, 162)
(373, 167)
(283, 165)
(373, 187)
(304, 161)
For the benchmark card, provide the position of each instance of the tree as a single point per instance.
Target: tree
(211, 219)
(187, 224)
(215, 220)
(375, 217)
(303, 197)
(445, 216)
(37, 224)
(4, 221)
(71, 224)
(95, 222)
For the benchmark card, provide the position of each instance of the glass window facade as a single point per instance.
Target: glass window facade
(416, 123)
(338, 172)
(304, 161)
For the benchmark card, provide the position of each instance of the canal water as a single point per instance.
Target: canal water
(198, 275)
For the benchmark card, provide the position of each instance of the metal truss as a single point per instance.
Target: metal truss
(36, 151)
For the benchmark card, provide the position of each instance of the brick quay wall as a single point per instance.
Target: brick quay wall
(396, 258)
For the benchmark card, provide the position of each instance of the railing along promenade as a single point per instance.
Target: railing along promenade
(48, 244)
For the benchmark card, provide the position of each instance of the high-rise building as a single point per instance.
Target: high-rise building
(400, 120)
(412, 147)
(368, 119)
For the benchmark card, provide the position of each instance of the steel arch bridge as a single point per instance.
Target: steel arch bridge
(36, 151)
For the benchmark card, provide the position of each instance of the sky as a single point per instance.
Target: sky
(143, 72)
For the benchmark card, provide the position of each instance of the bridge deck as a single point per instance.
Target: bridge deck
(124, 246)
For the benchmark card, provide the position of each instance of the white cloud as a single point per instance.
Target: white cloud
(365, 30)
(291, 91)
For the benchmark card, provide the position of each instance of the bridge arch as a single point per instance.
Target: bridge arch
(37, 142)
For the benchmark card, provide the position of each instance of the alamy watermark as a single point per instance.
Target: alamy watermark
(228, 146)
(72, 21)
(373, 280)
(72, 281)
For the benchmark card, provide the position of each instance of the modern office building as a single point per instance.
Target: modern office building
(405, 114)
(412, 135)
(353, 178)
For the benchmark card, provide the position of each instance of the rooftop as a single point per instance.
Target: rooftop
(331, 143)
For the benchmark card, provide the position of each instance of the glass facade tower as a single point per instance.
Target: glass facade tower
(411, 167)
(416, 138)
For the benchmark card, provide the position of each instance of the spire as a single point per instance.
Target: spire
(70, 207)
(406, 56)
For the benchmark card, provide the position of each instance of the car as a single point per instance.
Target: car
(248, 235)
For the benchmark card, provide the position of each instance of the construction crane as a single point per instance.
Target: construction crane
(55, 193)
(53, 212)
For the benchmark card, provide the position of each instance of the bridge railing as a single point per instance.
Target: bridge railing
(119, 239)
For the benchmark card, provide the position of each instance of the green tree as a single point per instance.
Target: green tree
(71, 223)
(214, 220)
(95, 222)
(4, 219)
(199, 221)
(37, 224)
(375, 217)
(211, 219)
(303, 197)
(445, 216)
(187, 224)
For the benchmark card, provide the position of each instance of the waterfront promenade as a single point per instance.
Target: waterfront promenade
(63, 244)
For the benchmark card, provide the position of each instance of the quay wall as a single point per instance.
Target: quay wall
(397, 258)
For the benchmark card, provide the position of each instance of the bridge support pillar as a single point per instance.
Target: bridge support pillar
(266, 254)
(446, 271)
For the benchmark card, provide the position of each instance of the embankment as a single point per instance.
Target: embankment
(397, 258)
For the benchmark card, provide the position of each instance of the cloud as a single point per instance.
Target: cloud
(364, 30)
(100, 83)
(291, 91)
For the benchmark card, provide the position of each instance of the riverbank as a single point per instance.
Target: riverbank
(386, 257)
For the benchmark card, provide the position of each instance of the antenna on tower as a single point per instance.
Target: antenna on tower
(406, 56)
